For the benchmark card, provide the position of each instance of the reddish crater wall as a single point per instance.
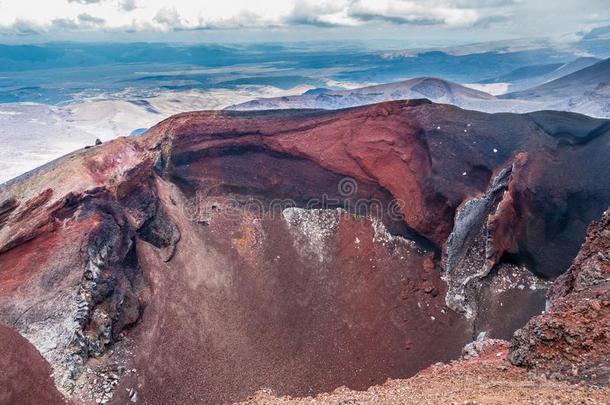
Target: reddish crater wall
(144, 272)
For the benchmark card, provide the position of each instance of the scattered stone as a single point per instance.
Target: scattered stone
(484, 347)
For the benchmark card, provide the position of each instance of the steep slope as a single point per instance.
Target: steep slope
(486, 378)
(571, 340)
(436, 90)
(524, 73)
(586, 91)
(531, 76)
(26, 377)
(224, 252)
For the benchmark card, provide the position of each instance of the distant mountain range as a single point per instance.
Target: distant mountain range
(530, 76)
(434, 89)
(586, 91)
(567, 87)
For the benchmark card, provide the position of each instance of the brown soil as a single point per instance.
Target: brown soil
(488, 380)
(25, 377)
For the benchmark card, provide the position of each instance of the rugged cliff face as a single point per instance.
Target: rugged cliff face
(571, 340)
(224, 252)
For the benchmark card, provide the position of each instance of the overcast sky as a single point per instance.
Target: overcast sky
(418, 22)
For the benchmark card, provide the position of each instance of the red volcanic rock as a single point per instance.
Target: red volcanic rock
(571, 339)
(487, 378)
(26, 376)
(225, 252)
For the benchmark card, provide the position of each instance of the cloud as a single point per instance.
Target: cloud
(82, 21)
(320, 13)
(127, 5)
(22, 27)
(450, 13)
(88, 19)
(168, 18)
(490, 20)
(154, 17)
(86, 1)
(64, 24)
(176, 15)
(486, 3)
(410, 19)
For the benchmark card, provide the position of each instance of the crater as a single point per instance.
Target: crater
(300, 303)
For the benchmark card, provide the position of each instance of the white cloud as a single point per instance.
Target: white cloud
(414, 12)
(127, 5)
(85, 1)
(24, 17)
(89, 20)
(186, 14)
(168, 17)
(321, 13)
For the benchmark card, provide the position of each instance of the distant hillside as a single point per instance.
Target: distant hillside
(586, 91)
(525, 72)
(436, 90)
(596, 42)
(536, 75)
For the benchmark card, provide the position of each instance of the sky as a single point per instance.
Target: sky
(420, 22)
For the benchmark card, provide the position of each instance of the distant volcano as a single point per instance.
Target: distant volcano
(580, 86)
